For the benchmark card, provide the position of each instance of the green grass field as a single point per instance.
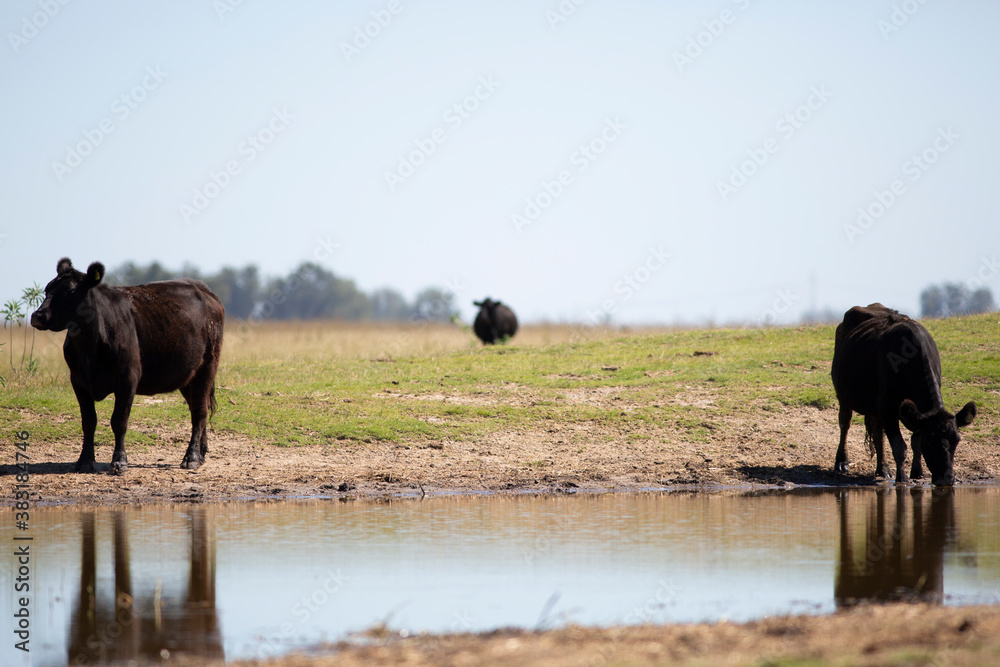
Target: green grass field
(289, 384)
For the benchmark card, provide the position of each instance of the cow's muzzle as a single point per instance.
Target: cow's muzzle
(39, 321)
(943, 480)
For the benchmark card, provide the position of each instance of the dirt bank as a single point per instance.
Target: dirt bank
(889, 635)
(790, 446)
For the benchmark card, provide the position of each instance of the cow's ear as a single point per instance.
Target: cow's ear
(95, 273)
(477, 303)
(63, 266)
(909, 415)
(966, 414)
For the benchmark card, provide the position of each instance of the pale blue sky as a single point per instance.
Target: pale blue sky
(672, 131)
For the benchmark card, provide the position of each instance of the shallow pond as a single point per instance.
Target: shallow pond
(247, 580)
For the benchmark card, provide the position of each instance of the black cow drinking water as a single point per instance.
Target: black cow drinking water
(494, 321)
(148, 339)
(886, 367)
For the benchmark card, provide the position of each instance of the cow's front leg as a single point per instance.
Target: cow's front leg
(916, 469)
(875, 432)
(119, 424)
(88, 419)
(891, 427)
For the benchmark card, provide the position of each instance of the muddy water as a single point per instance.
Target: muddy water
(262, 579)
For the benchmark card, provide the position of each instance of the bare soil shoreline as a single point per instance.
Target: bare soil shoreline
(899, 634)
(785, 448)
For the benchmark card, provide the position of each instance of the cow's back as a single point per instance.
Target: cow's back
(882, 356)
(178, 327)
(859, 315)
(855, 359)
(506, 321)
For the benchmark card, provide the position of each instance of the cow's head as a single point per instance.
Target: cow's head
(487, 305)
(935, 434)
(65, 295)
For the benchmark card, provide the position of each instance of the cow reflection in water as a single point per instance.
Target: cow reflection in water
(144, 624)
(902, 555)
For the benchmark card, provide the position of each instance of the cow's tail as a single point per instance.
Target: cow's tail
(216, 347)
(873, 430)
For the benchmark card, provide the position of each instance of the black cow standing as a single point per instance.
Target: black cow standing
(148, 339)
(494, 321)
(886, 367)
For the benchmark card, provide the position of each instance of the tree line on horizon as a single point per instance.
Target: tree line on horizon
(308, 292)
(944, 300)
(949, 299)
(313, 292)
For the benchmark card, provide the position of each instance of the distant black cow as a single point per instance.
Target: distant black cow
(886, 367)
(494, 321)
(146, 340)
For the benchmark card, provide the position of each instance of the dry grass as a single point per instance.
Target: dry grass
(317, 340)
(325, 340)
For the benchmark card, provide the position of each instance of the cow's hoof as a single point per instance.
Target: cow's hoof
(118, 467)
(841, 468)
(191, 463)
(84, 466)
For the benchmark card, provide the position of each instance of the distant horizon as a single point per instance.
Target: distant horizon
(819, 316)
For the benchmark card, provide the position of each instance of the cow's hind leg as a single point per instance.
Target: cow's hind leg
(119, 425)
(841, 465)
(88, 419)
(198, 394)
